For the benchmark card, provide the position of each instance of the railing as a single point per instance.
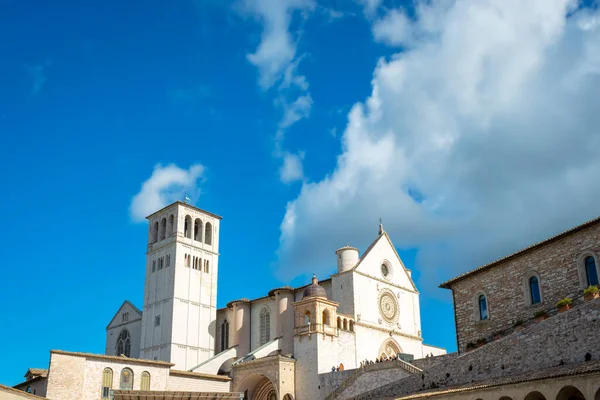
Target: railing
(316, 328)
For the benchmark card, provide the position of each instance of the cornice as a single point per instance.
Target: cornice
(316, 299)
(392, 332)
(277, 358)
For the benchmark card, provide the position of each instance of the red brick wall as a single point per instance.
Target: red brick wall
(556, 264)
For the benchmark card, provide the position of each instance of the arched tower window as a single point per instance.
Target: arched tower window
(155, 232)
(591, 273)
(145, 382)
(224, 335)
(208, 233)
(351, 326)
(126, 379)
(187, 227)
(326, 319)
(124, 343)
(171, 223)
(265, 326)
(534, 290)
(107, 380)
(345, 324)
(483, 307)
(163, 228)
(339, 323)
(307, 318)
(198, 230)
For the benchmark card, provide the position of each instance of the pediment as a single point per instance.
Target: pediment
(127, 306)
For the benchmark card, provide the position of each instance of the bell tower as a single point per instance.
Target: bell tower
(180, 295)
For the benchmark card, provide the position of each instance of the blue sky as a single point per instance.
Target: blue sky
(469, 131)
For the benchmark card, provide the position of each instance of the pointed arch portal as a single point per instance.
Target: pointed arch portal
(389, 348)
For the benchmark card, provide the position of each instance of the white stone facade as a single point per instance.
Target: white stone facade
(368, 309)
(181, 286)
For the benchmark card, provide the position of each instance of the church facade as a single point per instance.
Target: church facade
(368, 309)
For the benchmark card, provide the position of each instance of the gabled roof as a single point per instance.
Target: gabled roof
(366, 253)
(33, 372)
(137, 310)
(17, 392)
(449, 283)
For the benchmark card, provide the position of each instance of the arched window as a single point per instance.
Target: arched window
(570, 393)
(224, 335)
(351, 326)
(163, 228)
(124, 343)
(534, 290)
(483, 307)
(171, 223)
(339, 323)
(345, 324)
(198, 230)
(155, 232)
(307, 318)
(28, 390)
(265, 326)
(187, 227)
(107, 381)
(145, 382)
(126, 379)
(208, 233)
(591, 273)
(325, 317)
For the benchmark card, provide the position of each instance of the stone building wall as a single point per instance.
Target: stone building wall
(565, 338)
(558, 265)
(78, 376)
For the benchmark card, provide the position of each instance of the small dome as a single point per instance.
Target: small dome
(314, 289)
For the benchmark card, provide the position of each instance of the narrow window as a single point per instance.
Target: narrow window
(206, 265)
(126, 379)
(345, 326)
(198, 230)
(265, 326)
(124, 343)
(208, 234)
(125, 317)
(483, 308)
(224, 335)
(307, 318)
(168, 260)
(157, 320)
(590, 271)
(155, 232)
(107, 380)
(351, 326)
(187, 227)
(534, 290)
(163, 228)
(339, 323)
(145, 382)
(325, 317)
(171, 223)
(153, 265)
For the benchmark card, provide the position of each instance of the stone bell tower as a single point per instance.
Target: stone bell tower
(180, 296)
(319, 341)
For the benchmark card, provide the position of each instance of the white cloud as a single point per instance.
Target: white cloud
(166, 185)
(370, 6)
(277, 48)
(291, 170)
(277, 62)
(395, 28)
(478, 140)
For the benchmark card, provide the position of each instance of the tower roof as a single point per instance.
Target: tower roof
(314, 289)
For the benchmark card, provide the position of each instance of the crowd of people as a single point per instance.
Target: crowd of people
(381, 359)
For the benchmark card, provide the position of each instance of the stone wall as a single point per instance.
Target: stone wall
(557, 264)
(564, 338)
(428, 362)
